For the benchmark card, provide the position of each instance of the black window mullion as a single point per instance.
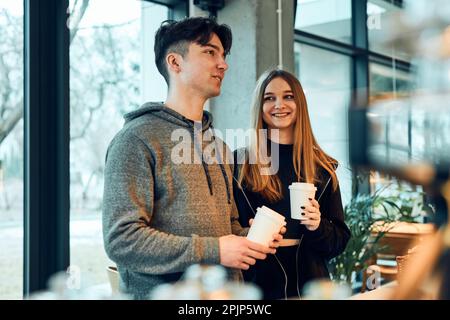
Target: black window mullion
(326, 44)
(46, 191)
(359, 39)
(360, 88)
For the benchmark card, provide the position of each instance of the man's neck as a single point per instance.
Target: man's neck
(186, 103)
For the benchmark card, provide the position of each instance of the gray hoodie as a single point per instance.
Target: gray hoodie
(161, 216)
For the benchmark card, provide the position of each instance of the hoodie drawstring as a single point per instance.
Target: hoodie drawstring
(199, 149)
(208, 177)
(204, 164)
(225, 177)
(222, 168)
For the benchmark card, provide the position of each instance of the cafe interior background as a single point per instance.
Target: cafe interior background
(376, 75)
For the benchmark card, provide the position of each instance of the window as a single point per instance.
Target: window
(325, 77)
(388, 80)
(393, 139)
(379, 13)
(326, 18)
(399, 126)
(393, 136)
(11, 149)
(110, 74)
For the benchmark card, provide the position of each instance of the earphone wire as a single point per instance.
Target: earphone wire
(285, 277)
(245, 196)
(275, 255)
(296, 256)
(324, 188)
(297, 267)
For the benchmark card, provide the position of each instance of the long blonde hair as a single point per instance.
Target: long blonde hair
(307, 154)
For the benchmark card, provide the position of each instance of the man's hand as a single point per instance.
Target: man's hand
(241, 253)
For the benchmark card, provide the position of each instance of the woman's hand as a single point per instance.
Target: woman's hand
(311, 215)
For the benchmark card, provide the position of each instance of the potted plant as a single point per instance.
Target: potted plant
(361, 215)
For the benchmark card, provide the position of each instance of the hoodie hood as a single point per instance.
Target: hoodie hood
(160, 110)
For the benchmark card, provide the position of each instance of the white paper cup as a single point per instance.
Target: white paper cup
(299, 193)
(265, 224)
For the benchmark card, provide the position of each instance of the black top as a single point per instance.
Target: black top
(286, 173)
(309, 260)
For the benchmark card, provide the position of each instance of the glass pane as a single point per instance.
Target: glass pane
(11, 149)
(430, 123)
(397, 137)
(388, 82)
(393, 136)
(328, 98)
(326, 18)
(110, 51)
(378, 14)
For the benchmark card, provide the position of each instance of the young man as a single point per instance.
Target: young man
(159, 215)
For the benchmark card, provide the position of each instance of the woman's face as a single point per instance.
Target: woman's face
(279, 108)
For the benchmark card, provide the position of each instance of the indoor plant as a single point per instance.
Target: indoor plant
(361, 214)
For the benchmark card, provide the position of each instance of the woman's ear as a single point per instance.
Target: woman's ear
(173, 62)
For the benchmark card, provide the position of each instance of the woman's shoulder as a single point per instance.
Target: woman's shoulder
(323, 174)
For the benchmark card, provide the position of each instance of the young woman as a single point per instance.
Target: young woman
(279, 106)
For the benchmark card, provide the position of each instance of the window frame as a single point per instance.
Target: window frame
(46, 148)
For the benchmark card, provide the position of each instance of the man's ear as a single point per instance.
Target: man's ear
(173, 62)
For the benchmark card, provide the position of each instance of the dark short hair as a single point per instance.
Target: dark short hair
(176, 36)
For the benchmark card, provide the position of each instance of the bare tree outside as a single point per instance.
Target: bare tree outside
(11, 71)
(11, 150)
(105, 80)
(11, 113)
(105, 83)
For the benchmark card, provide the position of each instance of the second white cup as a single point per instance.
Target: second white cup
(265, 224)
(299, 193)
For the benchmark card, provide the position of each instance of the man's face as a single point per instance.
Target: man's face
(203, 68)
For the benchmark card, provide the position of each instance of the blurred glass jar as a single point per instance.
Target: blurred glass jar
(324, 289)
(61, 286)
(202, 282)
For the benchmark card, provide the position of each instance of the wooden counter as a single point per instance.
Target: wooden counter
(384, 292)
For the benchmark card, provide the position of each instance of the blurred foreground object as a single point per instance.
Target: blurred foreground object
(426, 274)
(64, 286)
(201, 282)
(325, 289)
(409, 137)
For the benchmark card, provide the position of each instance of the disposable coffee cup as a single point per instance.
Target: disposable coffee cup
(299, 193)
(265, 224)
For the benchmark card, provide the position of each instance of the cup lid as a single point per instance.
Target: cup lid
(302, 186)
(272, 213)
